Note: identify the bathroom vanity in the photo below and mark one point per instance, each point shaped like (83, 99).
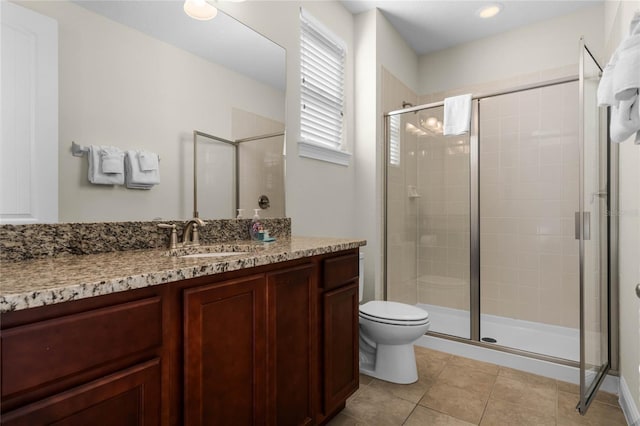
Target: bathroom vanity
(265, 337)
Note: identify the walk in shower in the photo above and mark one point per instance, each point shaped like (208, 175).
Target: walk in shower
(501, 234)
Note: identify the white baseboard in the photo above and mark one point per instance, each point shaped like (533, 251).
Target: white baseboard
(629, 407)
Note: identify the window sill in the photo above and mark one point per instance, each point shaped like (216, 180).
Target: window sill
(323, 153)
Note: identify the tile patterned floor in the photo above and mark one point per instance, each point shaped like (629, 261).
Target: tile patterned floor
(458, 391)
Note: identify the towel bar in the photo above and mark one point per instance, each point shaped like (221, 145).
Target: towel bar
(79, 150)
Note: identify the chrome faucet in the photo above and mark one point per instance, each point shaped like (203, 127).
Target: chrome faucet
(190, 235)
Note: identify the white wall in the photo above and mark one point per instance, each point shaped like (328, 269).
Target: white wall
(120, 87)
(537, 47)
(319, 195)
(618, 15)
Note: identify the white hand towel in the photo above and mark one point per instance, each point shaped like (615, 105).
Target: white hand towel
(625, 120)
(111, 160)
(457, 115)
(137, 178)
(626, 77)
(605, 87)
(96, 175)
(148, 161)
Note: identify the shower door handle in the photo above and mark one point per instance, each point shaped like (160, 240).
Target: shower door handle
(638, 290)
(586, 224)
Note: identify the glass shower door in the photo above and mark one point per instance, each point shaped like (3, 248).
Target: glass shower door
(427, 219)
(592, 231)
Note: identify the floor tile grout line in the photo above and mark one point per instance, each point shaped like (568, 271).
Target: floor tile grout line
(486, 404)
(410, 414)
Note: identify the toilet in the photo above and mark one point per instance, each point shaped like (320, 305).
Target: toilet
(387, 333)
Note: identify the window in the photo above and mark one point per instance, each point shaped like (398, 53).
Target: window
(394, 140)
(322, 59)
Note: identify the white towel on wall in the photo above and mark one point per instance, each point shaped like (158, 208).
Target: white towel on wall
(111, 160)
(606, 93)
(625, 120)
(626, 80)
(457, 115)
(148, 161)
(619, 86)
(96, 175)
(136, 178)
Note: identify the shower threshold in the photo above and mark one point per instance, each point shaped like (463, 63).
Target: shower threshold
(535, 337)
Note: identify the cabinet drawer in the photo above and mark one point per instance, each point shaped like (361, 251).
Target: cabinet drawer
(128, 397)
(41, 352)
(340, 270)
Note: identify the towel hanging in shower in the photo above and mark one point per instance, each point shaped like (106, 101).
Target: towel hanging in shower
(457, 115)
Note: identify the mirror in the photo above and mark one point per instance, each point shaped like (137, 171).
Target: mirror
(143, 75)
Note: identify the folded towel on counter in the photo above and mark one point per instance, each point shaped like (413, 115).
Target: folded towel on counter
(111, 160)
(148, 161)
(136, 178)
(625, 120)
(96, 174)
(457, 115)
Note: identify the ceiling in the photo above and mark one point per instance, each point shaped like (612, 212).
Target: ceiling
(431, 25)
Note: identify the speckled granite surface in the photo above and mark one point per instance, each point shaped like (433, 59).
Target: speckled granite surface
(23, 242)
(56, 279)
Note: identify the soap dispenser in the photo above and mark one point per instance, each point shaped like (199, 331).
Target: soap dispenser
(256, 229)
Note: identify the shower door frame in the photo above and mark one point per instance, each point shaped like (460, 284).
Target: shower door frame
(474, 211)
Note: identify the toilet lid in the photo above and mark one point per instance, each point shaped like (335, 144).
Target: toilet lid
(393, 311)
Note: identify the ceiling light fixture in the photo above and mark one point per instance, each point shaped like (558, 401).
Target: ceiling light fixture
(200, 10)
(489, 11)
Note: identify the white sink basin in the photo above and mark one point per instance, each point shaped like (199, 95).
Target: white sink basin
(216, 254)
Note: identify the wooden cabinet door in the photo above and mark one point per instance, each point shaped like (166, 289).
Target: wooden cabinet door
(224, 358)
(341, 370)
(292, 349)
(127, 398)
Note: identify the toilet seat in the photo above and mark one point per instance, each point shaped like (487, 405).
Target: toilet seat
(394, 322)
(393, 313)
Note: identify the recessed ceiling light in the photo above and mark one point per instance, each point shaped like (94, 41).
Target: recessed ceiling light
(200, 9)
(489, 11)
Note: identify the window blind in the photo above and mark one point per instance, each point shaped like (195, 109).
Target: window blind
(394, 140)
(322, 90)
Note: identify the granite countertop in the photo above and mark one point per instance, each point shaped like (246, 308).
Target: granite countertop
(32, 283)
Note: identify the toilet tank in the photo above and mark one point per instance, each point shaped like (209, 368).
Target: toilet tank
(361, 275)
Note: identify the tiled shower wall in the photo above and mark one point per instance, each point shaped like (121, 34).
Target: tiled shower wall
(443, 218)
(528, 196)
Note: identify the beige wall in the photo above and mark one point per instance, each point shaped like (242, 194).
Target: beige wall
(319, 195)
(618, 15)
(368, 151)
(537, 47)
(111, 93)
